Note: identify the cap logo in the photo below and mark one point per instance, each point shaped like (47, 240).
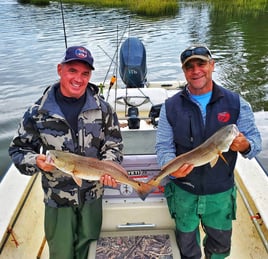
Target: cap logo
(80, 53)
(224, 116)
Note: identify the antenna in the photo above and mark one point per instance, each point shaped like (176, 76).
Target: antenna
(63, 24)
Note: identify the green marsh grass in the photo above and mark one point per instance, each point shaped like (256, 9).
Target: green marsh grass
(158, 8)
(151, 8)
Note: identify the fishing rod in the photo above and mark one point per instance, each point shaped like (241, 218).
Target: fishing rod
(111, 58)
(114, 77)
(63, 24)
(115, 54)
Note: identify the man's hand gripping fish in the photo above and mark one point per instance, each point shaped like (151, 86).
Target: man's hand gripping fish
(207, 152)
(91, 169)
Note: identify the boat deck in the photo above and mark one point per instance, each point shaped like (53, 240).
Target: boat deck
(28, 229)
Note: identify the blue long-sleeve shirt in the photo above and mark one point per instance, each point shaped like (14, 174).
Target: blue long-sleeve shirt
(165, 146)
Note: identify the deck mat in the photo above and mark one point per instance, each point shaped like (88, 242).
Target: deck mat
(134, 247)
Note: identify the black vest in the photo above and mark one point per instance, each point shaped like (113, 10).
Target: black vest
(189, 132)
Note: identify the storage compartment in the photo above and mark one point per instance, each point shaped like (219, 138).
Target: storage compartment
(135, 244)
(122, 207)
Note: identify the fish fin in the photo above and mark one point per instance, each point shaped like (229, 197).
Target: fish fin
(223, 158)
(214, 161)
(77, 180)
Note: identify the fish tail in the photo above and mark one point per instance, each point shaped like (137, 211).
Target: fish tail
(144, 189)
(154, 182)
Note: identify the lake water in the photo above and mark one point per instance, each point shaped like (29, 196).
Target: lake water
(32, 43)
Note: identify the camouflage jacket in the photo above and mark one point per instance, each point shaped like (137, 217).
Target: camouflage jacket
(44, 127)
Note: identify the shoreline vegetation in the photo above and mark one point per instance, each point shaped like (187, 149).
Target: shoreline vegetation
(150, 8)
(161, 8)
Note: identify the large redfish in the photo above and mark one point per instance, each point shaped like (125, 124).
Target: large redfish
(207, 152)
(88, 168)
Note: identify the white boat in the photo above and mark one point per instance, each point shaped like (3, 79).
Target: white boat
(131, 225)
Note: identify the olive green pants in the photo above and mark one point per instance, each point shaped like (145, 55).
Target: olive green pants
(214, 212)
(69, 230)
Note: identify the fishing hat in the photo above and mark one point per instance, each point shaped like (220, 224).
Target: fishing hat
(200, 52)
(78, 53)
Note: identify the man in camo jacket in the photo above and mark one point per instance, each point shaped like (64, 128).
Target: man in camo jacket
(72, 117)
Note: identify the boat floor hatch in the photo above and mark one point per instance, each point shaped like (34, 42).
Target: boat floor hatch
(135, 244)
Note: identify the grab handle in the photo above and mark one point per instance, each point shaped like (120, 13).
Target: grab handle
(136, 225)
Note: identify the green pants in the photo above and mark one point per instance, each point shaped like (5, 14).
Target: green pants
(215, 212)
(69, 230)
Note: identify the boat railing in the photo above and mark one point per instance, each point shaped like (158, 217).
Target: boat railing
(252, 184)
(15, 187)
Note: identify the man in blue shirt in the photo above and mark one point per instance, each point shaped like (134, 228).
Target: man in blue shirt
(203, 194)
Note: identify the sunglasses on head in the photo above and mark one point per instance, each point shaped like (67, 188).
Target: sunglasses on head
(202, 51)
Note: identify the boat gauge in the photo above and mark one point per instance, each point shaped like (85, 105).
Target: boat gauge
(126, 189)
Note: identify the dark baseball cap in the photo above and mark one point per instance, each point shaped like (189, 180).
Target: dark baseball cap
(79, 53)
